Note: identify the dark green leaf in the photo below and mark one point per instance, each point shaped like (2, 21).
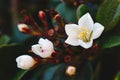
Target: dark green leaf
(8, 54)
(48, 75)
(117, 76)
(82, 9)
(60, 73)
(67, 12)
(84, 72)
(109, 14)
(4, 39)
(110, 39)
(20, 74)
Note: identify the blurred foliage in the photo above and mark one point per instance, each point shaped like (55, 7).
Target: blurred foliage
(109, 14)
(68, 12)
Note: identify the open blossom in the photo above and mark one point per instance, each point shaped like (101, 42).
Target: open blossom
(44, 48)
(25, 62)
(71, 70)
(84, 33)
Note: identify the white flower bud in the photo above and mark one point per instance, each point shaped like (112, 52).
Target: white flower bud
(25, 62)
(71, 70)
(23, 27)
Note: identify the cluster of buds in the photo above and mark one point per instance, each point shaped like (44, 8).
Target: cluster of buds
(60, 39)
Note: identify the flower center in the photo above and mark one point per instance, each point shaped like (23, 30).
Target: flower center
(84, 34)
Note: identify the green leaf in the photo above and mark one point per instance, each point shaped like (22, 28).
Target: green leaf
(60, 73)
(82, 9)
(20, 74)
(67, 12)
(48, 74)
(39, 72)
(109, 14)
(111, 42)
(84, 72)
(117, 76)
(110, 39)
(8, 66)
(4, 39)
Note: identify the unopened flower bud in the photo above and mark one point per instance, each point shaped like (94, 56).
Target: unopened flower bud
(23, 28)
(57, 17)
(51, 32)
(25, 62)
(67, 58)
(42, 15)
(71, 70)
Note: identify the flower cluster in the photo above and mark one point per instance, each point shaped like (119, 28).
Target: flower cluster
(59, 43)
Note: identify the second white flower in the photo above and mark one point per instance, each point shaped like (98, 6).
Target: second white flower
(44, 48)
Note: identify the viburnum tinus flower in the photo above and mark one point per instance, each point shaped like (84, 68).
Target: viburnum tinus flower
(25, 62)
(44, 48)
(84, 33)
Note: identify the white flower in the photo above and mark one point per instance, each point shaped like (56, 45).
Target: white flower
(71, 70)
(25, 62)
(83, 33)
(23, 27)
(44, 49)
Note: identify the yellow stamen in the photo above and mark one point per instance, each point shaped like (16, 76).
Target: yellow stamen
(84, 33)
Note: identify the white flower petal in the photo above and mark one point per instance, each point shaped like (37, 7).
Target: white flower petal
(25, 62)
(85, 44)
(45, 43)
(37, 49)
(86, 21)
(71, 29)
(72, 41)
(97, 30)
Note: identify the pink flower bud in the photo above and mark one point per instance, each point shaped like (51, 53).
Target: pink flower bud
(23, 28)
(42, 15)
(71, 70)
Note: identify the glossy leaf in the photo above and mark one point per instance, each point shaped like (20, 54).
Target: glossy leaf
(8, 54)
(4, 39)
(84, 72)
(111, 39)
(109, 14)
(117, 76)
(67, 12)
(48, 75)
(81, 10)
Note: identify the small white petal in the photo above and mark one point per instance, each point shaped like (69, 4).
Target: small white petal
(71, 30)
(86, 21)
(22, 26)
(37, 49)
(97, 30)
(45, 43)
(86, 44)
(25, 62)
(41, 40)
(72, 41)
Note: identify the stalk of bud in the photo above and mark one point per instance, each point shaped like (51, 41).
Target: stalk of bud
(42, 17)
